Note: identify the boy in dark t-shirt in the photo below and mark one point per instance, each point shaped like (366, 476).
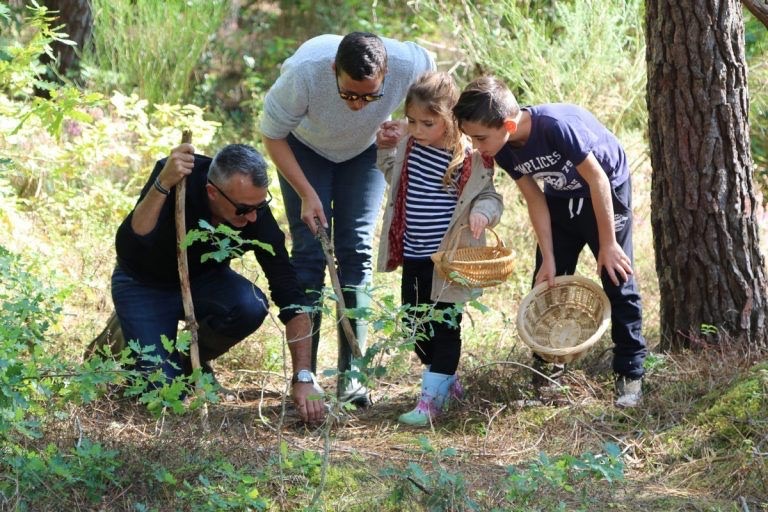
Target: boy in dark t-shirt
(586, 200)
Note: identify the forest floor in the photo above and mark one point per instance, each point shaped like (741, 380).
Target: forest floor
(675, 456)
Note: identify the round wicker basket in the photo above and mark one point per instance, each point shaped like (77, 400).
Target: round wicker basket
(476, 267)
(560, 323)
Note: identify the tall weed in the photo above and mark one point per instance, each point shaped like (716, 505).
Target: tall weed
(150, 48)
(757, 60)
(589, 52)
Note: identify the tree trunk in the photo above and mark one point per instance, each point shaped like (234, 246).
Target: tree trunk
(712, 276)
(77, 18)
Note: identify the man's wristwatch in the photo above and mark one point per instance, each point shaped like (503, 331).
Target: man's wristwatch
(303, 376)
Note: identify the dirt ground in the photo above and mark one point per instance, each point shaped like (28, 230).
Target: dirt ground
(500, 423)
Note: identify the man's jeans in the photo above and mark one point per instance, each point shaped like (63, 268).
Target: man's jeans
(351, 193)
(228, 308)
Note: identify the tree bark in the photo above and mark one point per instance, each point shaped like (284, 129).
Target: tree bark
(77, 18)
(711, 271)
(759, 9)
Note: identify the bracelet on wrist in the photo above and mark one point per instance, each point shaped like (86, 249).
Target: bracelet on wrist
(160, 188)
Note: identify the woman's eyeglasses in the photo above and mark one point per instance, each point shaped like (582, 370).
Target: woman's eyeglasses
(367, 98)
(244, 209)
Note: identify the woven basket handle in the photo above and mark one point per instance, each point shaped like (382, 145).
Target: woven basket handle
(453, 243)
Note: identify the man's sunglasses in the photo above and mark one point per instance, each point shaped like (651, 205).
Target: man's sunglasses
(367, 98)
(244, 209)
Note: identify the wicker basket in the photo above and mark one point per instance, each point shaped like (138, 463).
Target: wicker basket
(476, 267)
(560, 323)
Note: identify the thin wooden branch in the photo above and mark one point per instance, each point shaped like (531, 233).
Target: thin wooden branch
(342, 308)
(759, 10)
(186, 289)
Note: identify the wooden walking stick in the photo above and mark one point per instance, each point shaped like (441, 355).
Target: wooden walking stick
(186, 289)
(342, 308)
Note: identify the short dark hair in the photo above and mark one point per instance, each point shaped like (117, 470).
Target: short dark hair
(486, 100)
(239, 159)
(361, 55)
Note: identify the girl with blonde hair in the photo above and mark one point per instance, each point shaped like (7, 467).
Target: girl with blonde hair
(438, 188)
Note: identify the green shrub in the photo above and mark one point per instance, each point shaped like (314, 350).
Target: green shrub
(84, 471)
(539, 486)
(28, 308)
(436, 488)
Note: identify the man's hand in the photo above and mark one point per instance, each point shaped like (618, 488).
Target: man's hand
(307, 396)
(308, 399)
(178, 166)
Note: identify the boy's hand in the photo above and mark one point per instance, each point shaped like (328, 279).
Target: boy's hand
(546, 273)
(615, 262)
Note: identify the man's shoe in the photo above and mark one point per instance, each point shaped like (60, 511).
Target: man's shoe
(356, 394)
(227, 394)
(629, 392)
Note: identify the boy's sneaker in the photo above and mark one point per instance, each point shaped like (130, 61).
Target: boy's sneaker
(629, 392)
(545, 373)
